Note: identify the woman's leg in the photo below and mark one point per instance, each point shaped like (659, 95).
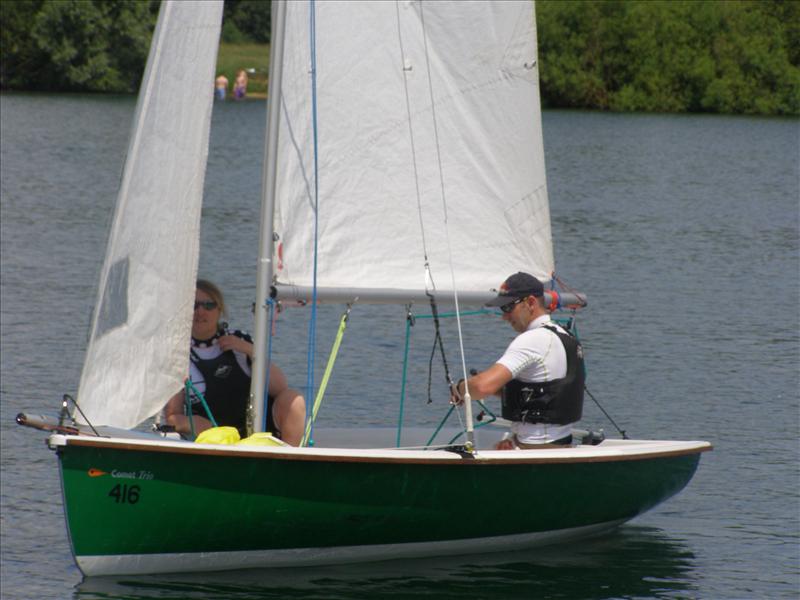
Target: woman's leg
(289, 411)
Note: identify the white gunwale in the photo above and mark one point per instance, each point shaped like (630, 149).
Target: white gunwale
(608, 451)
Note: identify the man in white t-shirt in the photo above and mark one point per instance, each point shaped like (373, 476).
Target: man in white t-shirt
(539, 377)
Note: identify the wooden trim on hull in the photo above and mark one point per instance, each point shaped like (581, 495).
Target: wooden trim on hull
(138, 564)
(608, 451)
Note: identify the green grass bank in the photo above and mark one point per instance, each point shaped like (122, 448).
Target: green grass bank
(254, 58)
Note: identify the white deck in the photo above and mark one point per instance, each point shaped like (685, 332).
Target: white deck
(376, 444)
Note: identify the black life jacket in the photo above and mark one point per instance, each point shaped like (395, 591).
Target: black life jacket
(558, 402)
(227, 391)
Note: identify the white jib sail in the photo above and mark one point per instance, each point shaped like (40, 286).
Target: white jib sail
(137, 354)
(420, 105)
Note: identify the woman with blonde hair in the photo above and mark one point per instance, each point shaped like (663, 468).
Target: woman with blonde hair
(220, 369)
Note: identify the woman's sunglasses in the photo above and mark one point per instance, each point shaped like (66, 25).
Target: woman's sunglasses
(208, 305)
(507, 308)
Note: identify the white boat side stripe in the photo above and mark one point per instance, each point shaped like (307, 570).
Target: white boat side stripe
(133, 564)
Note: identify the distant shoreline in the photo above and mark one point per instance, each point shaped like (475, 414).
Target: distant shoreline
(626, 56)
(249, 96)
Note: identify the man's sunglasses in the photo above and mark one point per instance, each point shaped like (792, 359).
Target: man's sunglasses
(507, 308)
(208, 305)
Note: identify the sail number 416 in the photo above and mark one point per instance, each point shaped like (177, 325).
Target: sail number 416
(123, 493)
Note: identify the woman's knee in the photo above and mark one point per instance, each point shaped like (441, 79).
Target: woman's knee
(288, 403)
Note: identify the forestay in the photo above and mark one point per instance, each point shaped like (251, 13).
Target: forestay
(428, 117)
(137, 354)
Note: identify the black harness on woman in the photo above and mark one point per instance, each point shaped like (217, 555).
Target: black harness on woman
(227, 392)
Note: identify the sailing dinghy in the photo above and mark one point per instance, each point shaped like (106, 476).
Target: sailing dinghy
(414, 123)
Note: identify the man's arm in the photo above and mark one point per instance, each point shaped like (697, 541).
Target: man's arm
(485, 383)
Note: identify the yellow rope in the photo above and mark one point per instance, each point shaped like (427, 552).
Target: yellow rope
(328, 369)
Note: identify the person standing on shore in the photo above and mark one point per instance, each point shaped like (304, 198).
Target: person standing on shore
(220, 87)
(240, 85)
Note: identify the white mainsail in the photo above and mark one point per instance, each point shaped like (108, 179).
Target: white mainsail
(137, 354)
(445, 114)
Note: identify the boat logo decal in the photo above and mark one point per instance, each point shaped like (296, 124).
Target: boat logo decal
(223, 371)
(116, 474)
(131, 474)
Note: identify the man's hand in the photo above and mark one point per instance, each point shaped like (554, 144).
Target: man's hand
(457, 393)
(505, 444)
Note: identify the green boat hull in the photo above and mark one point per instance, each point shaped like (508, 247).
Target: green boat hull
(130, 507)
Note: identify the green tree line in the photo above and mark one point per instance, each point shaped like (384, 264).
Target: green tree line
(97, 45)
(725, 56)
(671, 56)
(74, 45)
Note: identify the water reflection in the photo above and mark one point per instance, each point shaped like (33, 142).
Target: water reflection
(634, 562)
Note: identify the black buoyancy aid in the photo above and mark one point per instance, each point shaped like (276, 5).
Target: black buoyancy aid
(559, 401)
(227, 392)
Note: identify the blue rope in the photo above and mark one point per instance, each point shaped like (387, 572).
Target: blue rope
(478, 425)
(409, 323)
(441, 424)
(459, 434)
(312, 327)
(189, 389)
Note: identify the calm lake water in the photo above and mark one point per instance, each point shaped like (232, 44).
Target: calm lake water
(684, 232)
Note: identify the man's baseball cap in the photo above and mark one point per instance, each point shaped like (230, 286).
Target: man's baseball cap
(519, 285)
